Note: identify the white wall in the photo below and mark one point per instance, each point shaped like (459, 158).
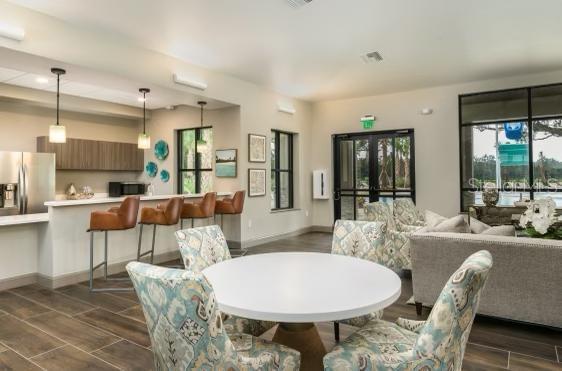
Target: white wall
(21, 124)
(436, 135)
(164, 125)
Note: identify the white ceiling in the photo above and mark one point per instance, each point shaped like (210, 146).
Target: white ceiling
(314, 52)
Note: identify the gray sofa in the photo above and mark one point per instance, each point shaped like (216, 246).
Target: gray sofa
(525, 282)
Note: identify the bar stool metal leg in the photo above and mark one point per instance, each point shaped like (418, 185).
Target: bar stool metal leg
(153, 243)
(91, 260)
(105, 257)
(140, 243)
(104, 264)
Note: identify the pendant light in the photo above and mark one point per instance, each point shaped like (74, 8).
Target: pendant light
(201, 143)
(144, 139)
(57, 132)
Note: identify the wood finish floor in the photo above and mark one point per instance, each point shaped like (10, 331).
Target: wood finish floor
(73, 329)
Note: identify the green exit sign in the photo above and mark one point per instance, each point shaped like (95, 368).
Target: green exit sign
(368, 121)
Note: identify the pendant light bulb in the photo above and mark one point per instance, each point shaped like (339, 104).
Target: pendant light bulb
(57, 132)
(201, 143)
(144, 138)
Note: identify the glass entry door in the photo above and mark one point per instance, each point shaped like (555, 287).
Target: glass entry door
(369, 167)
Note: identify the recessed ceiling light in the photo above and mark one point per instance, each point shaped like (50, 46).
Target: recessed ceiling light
(42, 80)
(372, 57)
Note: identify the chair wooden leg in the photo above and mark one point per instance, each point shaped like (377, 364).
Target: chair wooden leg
(337, 332)
(418, 308)
(181, 224)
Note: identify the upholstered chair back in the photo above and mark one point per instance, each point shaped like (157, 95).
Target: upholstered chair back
(405, 212)
(172, 210)
(129, 210)
(183, 321)
(202, 247)
(445, 333)
(208, 204)
(360, 239)
(238, 201)
(380, 212)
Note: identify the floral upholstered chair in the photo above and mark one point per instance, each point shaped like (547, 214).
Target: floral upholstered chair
(204, 246)
(396, 252)
(406, 214)
(364, 240)
(436, 344)
(186, 329)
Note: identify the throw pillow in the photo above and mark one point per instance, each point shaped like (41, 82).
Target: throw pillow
(433, 219)
(500, 230)
(477, 227)
(456, 224)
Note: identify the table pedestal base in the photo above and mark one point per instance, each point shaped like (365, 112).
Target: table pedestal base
(303, 337)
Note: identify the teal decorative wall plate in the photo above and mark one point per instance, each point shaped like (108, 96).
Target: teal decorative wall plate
(151, 169)
(164, 176)
(161, 150)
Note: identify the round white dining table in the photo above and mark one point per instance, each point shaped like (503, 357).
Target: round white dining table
(297, 289)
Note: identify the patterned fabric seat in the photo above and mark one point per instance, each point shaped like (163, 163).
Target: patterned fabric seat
(364, 240)
(396, 252)
(406, 214)
(436, 344)
(186, 330)
(204, 246)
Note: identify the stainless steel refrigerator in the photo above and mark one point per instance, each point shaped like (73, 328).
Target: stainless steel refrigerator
(27, 180)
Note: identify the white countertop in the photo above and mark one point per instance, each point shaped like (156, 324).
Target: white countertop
(108, 200)
(23, 219)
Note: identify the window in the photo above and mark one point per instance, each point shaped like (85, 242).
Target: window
(195, 160)
(281, 170)
(511, 140)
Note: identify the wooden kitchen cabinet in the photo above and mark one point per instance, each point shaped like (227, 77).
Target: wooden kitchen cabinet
(84, 154)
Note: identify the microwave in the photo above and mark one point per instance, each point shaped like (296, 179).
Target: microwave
(119, 189)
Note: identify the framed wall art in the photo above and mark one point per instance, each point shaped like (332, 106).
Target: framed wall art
(256, 182)
(225, 163)
(256, 148)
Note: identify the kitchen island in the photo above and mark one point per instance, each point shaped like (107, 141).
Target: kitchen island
(61, 250)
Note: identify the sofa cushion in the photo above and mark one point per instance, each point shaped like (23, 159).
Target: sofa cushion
(456, 224)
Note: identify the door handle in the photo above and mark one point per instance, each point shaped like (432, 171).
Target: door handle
(25, 181)
(20, 190)
(337, 196)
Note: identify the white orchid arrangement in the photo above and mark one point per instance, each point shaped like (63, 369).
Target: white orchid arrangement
(540, 218)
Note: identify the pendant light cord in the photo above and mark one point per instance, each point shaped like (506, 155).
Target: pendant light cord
(144, 112)
(58, 97)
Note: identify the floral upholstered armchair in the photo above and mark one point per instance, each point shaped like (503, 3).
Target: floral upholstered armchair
(407, 215)
(204, 246)
(186, 329)
(396, 252)
(364, 240)
(436, 344)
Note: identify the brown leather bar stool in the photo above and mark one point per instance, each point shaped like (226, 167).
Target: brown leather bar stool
(230, 206)
(166, 214)
(204, 209)
(115, 219)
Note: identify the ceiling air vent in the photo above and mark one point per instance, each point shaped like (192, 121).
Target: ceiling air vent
(372, 57)
(298, 3)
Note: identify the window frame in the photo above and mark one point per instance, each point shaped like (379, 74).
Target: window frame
(277, 170)
(197, 170)
(529, 121)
